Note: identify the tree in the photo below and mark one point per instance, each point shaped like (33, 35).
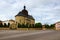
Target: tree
(23, 26)
(5, 25)
(38, 25)
(47, 26)
(19, 25)
(52, 26)
(27, 26)
(33, 25)
(1, 25)
(8, 24)
(30, 26)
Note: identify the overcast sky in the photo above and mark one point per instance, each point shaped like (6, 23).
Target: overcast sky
(44, 11)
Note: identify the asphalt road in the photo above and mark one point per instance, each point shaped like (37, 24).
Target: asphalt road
(30, 35)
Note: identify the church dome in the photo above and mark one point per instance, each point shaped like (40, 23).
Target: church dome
(24, 11)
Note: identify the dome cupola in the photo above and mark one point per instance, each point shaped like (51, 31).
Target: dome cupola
(24, 11)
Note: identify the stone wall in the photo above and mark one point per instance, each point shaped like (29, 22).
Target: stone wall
(28, 29)
(4, 28)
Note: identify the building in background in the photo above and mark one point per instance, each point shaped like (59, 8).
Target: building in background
(9, 23)
(57, 25)
(5, 22)
(24, 18)
(0, 21)
(13, 24)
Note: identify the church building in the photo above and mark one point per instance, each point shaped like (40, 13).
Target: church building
(24, 18)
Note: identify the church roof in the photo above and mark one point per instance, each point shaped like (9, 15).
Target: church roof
(29, 16)
(12, 20)
(57, 22)
(0, 21)
(24, 12)
(20, 14)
